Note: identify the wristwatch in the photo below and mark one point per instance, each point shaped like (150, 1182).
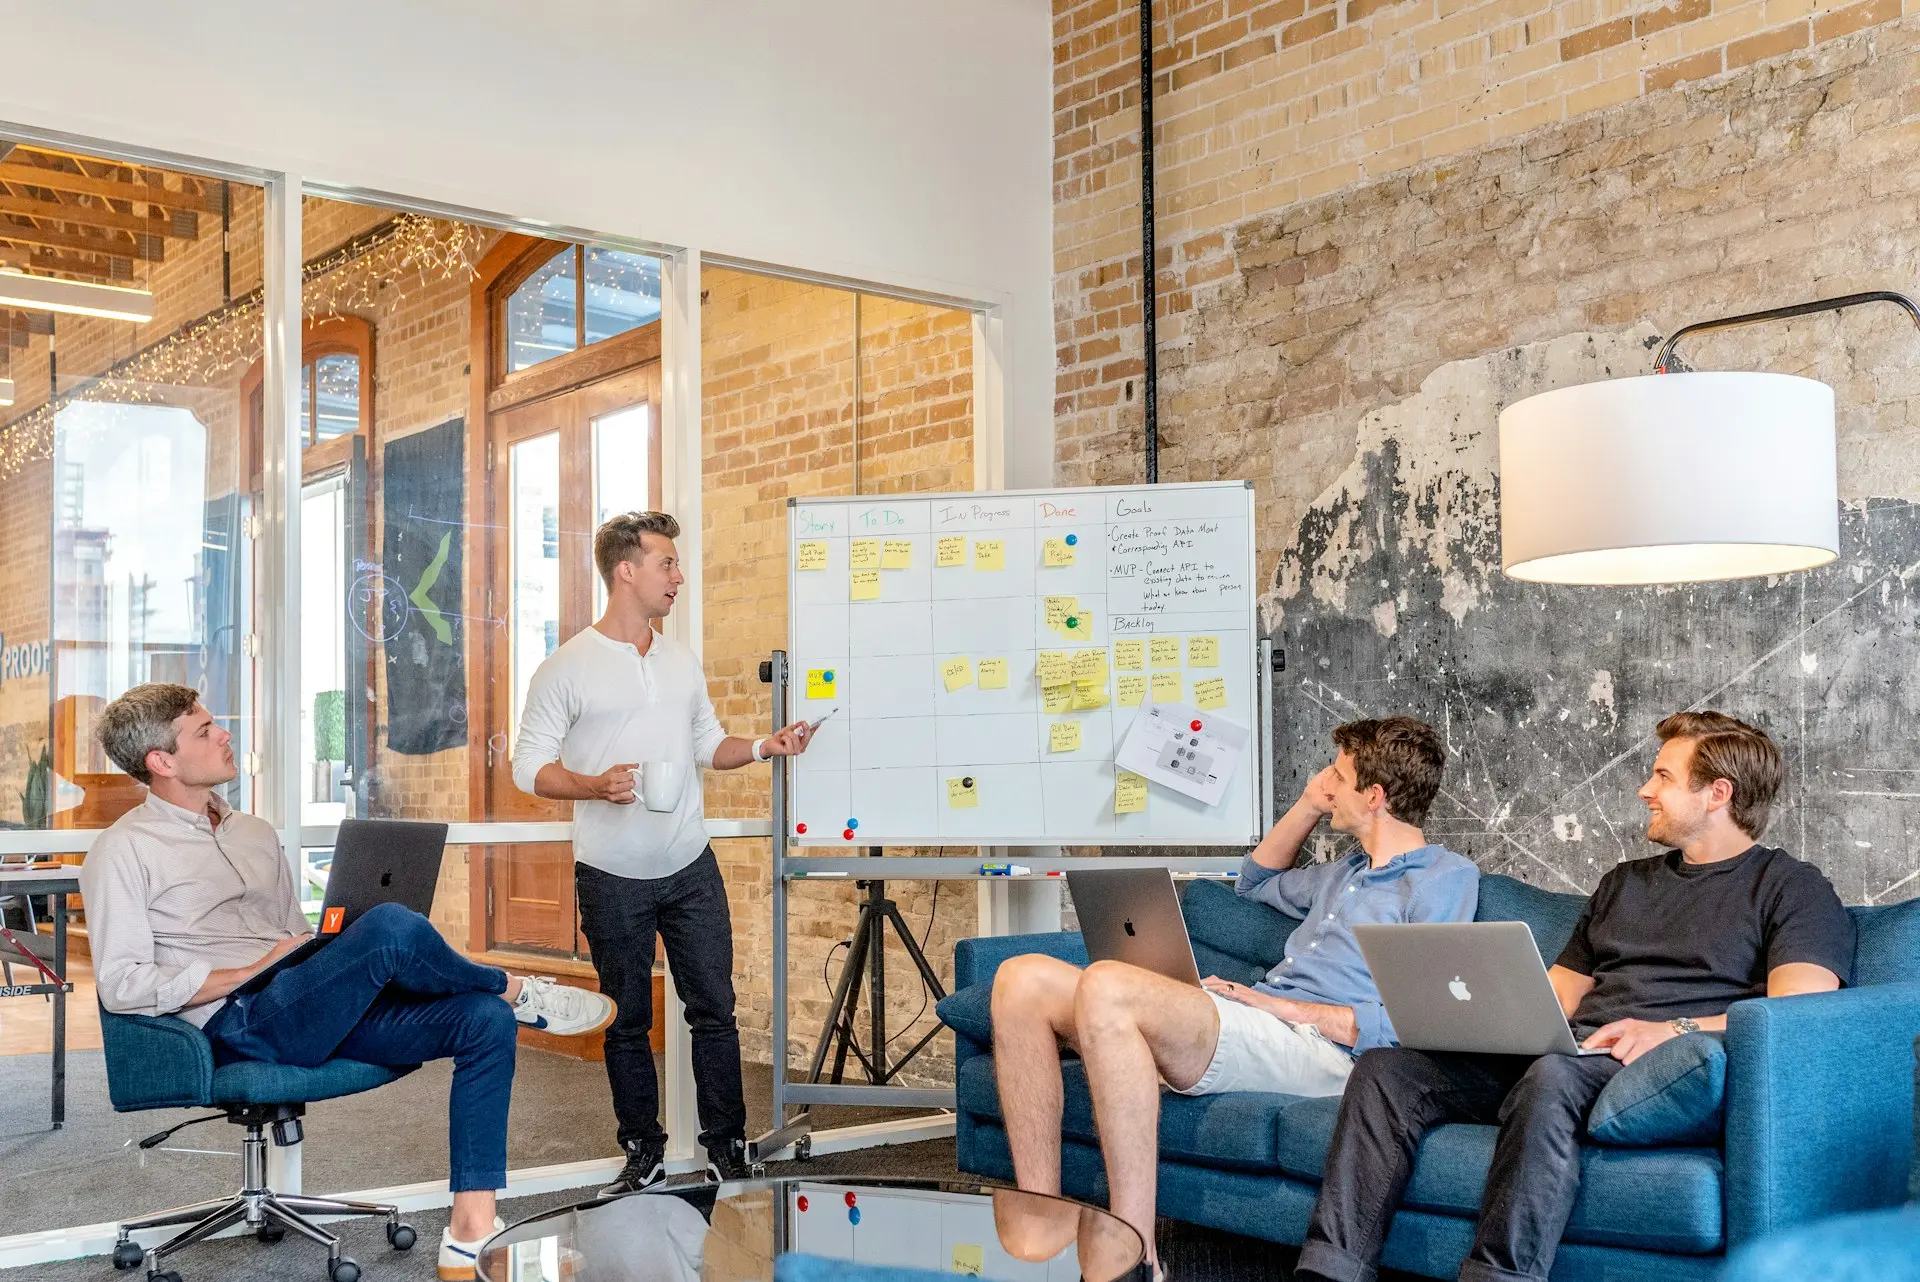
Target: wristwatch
(1685, 1024)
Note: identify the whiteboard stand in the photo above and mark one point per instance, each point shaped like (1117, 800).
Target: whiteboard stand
(796, 1131)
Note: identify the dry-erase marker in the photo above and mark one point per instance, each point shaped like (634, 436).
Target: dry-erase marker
(813, 726)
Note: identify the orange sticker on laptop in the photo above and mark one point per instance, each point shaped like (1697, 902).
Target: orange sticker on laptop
(333, 920)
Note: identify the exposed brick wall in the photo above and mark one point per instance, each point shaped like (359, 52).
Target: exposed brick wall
(1283, 319)
(780, 421)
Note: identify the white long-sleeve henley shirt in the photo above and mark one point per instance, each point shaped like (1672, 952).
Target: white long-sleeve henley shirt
(596, 702)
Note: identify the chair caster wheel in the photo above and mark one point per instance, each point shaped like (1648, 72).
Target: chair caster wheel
(803, 1148)
(127, 1255)
(343, 1270)
(401, 1237)
(168, 1276)
(270, 1232)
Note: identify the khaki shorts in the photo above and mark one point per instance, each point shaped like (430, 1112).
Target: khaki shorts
(1262, 1052)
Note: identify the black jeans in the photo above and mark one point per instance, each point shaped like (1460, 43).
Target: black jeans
(689, 910)
(1396, 1096)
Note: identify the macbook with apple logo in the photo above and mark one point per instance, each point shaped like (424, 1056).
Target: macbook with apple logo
(375, 861)
(1133, 915)
(1467, 986)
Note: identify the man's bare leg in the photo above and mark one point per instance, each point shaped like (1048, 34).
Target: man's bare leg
(1032, 1016)
(1135, 1028)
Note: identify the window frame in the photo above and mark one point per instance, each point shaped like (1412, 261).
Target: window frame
(505, 269)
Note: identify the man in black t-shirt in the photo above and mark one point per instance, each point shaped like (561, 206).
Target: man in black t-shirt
(1664, 946)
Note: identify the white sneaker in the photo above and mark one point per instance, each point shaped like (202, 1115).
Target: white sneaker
(457, 1258)
(565, 1012)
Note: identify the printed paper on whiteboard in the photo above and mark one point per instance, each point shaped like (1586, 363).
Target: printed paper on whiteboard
(1163, 746)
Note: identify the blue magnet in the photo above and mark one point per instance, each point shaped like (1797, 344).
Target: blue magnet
(827, 675)
(1072, 539)
(853, 1215)
(853, 823)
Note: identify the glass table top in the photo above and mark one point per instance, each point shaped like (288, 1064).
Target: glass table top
(793, 1230)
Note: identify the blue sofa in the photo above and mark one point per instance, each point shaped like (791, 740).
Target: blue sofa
(1819, 1112)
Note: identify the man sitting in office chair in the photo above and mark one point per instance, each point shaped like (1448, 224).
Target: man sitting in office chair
(1664, 946)
(1297, 1032)
(187, 899)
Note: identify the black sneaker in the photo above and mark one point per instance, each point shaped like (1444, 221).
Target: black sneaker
(646, 1166)
(727, 1160)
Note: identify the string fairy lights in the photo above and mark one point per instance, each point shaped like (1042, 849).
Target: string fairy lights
(408, 253)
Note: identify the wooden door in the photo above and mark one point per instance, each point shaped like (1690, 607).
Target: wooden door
(556, 467)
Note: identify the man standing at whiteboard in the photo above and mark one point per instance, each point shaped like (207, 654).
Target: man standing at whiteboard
(615, 698)
(1297, 1032)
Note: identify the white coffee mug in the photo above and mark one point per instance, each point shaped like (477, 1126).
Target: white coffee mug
(661, 783)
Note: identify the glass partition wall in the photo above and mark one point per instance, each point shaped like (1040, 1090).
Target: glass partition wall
(454, 407)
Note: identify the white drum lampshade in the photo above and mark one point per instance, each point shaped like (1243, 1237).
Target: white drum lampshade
(1669, 478)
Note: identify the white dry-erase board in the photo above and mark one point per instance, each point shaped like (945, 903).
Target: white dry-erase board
(988, 653)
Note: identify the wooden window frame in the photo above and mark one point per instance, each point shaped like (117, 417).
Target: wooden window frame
(321, 336)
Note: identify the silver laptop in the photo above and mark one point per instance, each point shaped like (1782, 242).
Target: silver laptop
(1133, 915)
(1467, 986)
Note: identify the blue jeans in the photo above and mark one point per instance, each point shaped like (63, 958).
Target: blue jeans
(389, 990)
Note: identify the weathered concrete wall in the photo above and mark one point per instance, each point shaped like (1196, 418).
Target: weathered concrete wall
(1391, 598)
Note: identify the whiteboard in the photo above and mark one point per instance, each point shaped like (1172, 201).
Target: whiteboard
(885, 592)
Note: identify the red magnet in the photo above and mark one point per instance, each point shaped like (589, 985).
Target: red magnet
(847, 834)
(851, 1199)
(1196, 725)
(802, 1203)
(800, 828)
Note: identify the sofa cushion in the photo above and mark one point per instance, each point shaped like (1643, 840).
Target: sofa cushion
(1234, 938)
(1673, 1094)
(1654, 1200)
(1886, 946)
(1551, 916)
(969, 1012)
(1237, 1129)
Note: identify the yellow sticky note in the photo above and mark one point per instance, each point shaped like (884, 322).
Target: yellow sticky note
(957, 672)
(897, 555)
(989, 554)
(963, 793)
(866, 585)
(1166, 652)
(813, 556)
(1054, 667)
(1089, 694)
(1132, 690)
(1065, 736)
(865, 555)
(1210, 694)
(1203, 652)
(950, 551)
(969, 1258)
(1166, 687)
(1056, 552)
(992, 674)
(1131, 655)
(820, 683)
(1129, 793)
(1057, 699)
(1059, 609)
(1090, 665)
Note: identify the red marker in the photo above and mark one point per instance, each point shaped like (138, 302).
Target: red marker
(1196, 725)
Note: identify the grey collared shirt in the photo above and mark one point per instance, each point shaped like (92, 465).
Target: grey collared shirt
(170, 899)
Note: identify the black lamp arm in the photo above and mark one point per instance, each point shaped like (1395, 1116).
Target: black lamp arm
(1665, 355)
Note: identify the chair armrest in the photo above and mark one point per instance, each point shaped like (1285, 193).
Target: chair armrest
(975, 960)
(1820, 1110)
(162, 1062)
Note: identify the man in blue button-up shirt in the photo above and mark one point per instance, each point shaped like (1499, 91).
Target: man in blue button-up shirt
(1296, 1032)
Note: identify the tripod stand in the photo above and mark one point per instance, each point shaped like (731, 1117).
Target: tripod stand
(867, 965)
